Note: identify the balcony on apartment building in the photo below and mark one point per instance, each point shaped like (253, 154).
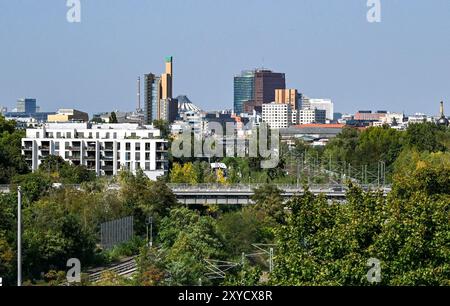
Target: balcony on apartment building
(109, 146)
(162, 157)
(76, 146)
(91, 147)
(28, 146)
(90, 157)
(161, 147)
(75, 157)
(45, 146)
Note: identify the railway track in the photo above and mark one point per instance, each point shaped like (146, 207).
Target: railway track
(126, 268)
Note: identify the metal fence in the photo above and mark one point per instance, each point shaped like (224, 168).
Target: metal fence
(116, 232)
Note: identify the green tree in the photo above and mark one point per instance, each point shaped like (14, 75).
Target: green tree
(151, 268)
(145, 198)
(11, 160)
(52, 236)
(421, 171)
(426, 136)
(34, 185)
(7, 256)
(183, 174)
(188, 239)
(379, 144)
(113, 118)
(269, 200)
(240, 229)
(202, 171)
(97, 120)
(62, 171)
(342, 148)
(163, 126)
(246, 276)
(323, 244)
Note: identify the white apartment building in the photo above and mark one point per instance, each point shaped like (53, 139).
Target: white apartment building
(103, 148)
(305, 102)
(392, 119)
(295, 117)
(324, 104)
(308, 116)
(277, 115)
(419, 118)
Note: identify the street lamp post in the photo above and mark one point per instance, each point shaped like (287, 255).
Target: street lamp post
(19, 236)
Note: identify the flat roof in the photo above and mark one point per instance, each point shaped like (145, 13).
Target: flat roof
(319, 125)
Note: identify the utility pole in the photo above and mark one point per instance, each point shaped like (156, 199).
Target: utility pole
(151, 231)
(19, 236)
(270, 260)
(148, 222)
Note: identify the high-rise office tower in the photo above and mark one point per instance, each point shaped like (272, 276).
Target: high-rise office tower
(26, 106)
(166, 79)
(151, 97)
(159, 103)
(138, 107)
(266, 82)
(288, 96)
(256, 87)
(244, 85)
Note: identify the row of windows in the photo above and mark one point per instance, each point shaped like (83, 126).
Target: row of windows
(106, 135)
(138, 165)
(137, 155)
(137, 146)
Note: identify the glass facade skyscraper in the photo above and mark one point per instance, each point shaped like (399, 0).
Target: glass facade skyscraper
(244, 89)
(158, 102)
(26, 106)
(151, 99)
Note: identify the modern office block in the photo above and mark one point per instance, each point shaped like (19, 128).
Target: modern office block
(68, 115)
(324, 104)
(288, 96)
(277, 115)
(307, 116)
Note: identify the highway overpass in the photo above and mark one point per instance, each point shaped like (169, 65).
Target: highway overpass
(207, 194)
(239, 194)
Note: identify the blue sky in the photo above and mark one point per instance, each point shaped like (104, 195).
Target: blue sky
(326, 48)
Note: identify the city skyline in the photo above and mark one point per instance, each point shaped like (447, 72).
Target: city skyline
(399, 64)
